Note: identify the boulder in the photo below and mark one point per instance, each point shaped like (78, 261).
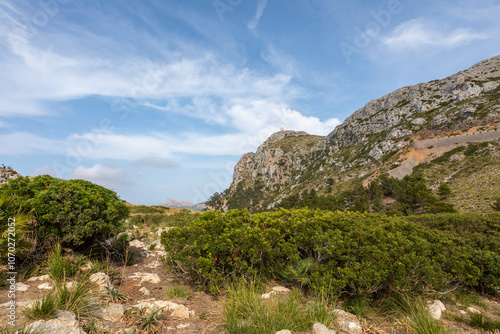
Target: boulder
(348, 322)
(65, 323)
(101, 279)
(113, 312)
(322, 329)
(45, 286)
(436, 309)
(21, 287)
(146, 277)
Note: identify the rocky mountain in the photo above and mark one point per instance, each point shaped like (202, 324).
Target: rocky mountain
(387, 135)
(172, 203)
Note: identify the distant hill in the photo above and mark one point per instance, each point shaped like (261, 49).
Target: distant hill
(172, 203)
(411, 128)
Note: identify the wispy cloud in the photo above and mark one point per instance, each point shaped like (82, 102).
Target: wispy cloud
(418, 33)
(252, 25)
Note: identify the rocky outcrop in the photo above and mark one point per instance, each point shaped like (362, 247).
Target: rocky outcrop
(275, 159)
(370, 139)
(394, 111)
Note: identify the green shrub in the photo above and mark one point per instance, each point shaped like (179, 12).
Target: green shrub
(352, 253)
(15, 226)
(77, 212)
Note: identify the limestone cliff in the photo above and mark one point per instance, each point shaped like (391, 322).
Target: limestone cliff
(374, 139)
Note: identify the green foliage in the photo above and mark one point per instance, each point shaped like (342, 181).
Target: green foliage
(414, 314)
(116, 296)
(496, 204)
(178, 290)
(77, 212)
(15, 227)
(478, 320)
(145, 320)
(353, 253)
(77, 298)
(245, 312)
(61, 267)
(444, 190)
(42, 309)
(478, 236)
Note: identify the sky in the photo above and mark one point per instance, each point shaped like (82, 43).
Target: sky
(159, 99)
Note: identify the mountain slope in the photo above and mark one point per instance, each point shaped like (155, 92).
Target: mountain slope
(386, 135)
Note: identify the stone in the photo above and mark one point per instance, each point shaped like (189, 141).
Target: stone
(419, 121)
(145, 291)
(281, 289)
(182, 312)
(101, 279)
(138, 244)
(322, 329)
(348, 322)
(154, 264)
(21, 287)
(45, 286)
(268, 295)
(146, 277)
(436, 309)
(65, 323)
(472, 310)
(182, 326)
(39, 278)
(113, 312)
(284, 331)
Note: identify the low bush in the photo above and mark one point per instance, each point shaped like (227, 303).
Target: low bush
(350, 254)
(77, 212)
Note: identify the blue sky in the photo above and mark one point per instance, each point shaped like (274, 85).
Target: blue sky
(159, 99)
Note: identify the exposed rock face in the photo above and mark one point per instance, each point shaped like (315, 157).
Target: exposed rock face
(389, 112)
(369, 140)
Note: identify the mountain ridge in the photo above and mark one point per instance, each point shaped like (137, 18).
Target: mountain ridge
(373, 140)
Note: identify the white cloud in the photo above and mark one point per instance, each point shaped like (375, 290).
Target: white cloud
(104, 176)
(252, 25)
(418, 33)
(19, 143)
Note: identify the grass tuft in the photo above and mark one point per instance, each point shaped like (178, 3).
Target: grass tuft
(245, 312)
(178, 290)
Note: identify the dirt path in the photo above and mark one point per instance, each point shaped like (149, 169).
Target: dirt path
(454, 140)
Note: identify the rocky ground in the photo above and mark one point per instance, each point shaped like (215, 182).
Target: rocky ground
(149, 284)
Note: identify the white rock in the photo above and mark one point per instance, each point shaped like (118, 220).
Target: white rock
(182, 312)
(21, 287)
(268, 295)
(45, 286)
(146, 277)
(182, 326)
(348, 322)
(154, 264)
(113, 312)
(472, 310)
(281, 289)
(284, 331)
(66, 323)
(101, 279)
(321, 329)
(138, 244)
(38, 278)
(419, 121)
(145, 291)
